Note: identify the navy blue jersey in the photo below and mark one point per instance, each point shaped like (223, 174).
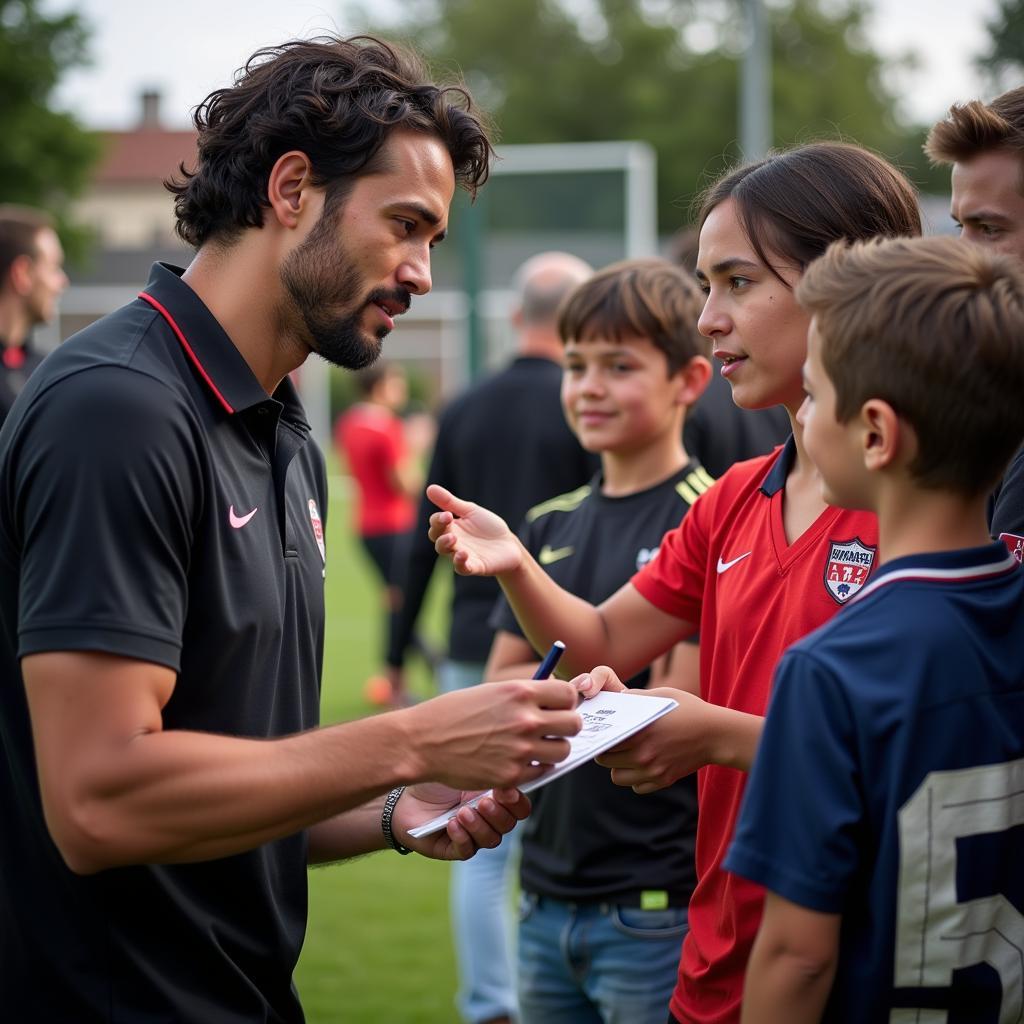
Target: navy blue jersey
(889, 788)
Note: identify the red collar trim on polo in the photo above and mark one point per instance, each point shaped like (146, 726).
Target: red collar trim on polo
(188, 348)
(969, 574)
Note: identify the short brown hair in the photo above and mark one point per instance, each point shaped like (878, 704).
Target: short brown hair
(799, 201)
(336, 100)
(934, 327)
(648, 298)
(19, 234)
(970, 129)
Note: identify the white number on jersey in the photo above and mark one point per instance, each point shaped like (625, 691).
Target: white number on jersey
(935, 932)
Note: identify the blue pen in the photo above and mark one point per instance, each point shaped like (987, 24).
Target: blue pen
(547, 666)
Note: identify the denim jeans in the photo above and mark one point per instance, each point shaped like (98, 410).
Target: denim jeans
(482, 925)
(599, 963)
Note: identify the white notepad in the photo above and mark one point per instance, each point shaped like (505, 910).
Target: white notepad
(608, 719)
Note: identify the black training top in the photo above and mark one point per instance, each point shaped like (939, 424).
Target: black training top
(586, 838)
(155, 503)
(504, 444)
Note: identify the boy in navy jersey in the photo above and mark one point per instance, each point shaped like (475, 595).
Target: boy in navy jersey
(884, 813)
(606, 875)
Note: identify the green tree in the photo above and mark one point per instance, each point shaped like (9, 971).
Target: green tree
(46, 155)
(665, 71)
(1003, 62)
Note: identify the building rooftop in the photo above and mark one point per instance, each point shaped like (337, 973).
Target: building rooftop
(148, 153)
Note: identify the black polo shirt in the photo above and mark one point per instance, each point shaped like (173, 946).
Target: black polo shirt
(156, 503)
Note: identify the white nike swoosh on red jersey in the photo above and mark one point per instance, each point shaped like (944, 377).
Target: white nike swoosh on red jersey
(238, 521)
(722, 566)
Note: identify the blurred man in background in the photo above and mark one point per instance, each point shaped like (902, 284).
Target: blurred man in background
(31, 280)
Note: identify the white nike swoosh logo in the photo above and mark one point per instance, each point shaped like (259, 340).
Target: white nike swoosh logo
(722, 566)
(238, 521)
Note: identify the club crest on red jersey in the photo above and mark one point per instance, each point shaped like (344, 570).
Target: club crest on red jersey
(318, 529)
(848, 567)
(1014, 544)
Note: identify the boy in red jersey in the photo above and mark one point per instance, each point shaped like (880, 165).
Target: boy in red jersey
(884, 810)
(758, 562)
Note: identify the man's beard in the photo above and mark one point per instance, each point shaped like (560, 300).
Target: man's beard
(319, 277)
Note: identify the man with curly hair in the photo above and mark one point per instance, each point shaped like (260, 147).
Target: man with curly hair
(162, 558)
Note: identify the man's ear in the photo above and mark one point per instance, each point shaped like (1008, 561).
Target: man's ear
(290, 188)
(20, 274)
(692, 379)
(886, 438)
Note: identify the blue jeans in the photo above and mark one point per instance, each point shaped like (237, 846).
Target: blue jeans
(482, 925)
(596, 963)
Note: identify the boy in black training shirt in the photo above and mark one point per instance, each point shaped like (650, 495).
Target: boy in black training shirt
(606, 874)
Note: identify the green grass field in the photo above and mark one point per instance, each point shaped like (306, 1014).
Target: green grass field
(378, 948)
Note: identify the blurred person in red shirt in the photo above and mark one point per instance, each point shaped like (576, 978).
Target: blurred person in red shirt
(382, 461)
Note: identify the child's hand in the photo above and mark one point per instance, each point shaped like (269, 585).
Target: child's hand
(591, 683)
(673, 746)
(478, 542)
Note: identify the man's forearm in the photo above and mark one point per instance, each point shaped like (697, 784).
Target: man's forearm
(177, 796)
(350, 834)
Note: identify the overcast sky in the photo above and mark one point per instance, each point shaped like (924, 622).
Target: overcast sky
(190, 47)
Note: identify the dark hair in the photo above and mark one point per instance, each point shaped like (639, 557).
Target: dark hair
(367, 379)
(647, 298)
(798, 201)
(934, 327)
(19, 234)
(336, 100)
(973, 128)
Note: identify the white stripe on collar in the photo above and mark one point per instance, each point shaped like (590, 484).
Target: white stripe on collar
(962, 575)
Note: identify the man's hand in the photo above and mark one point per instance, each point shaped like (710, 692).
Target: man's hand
(470, 830)
(478, 542)
(502, 734)
(673, 746)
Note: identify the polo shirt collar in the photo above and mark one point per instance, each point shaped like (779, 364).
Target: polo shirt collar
(211, 351)
(775, 479)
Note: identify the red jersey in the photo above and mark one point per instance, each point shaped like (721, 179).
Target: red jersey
(728, 567)
(371, 438)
